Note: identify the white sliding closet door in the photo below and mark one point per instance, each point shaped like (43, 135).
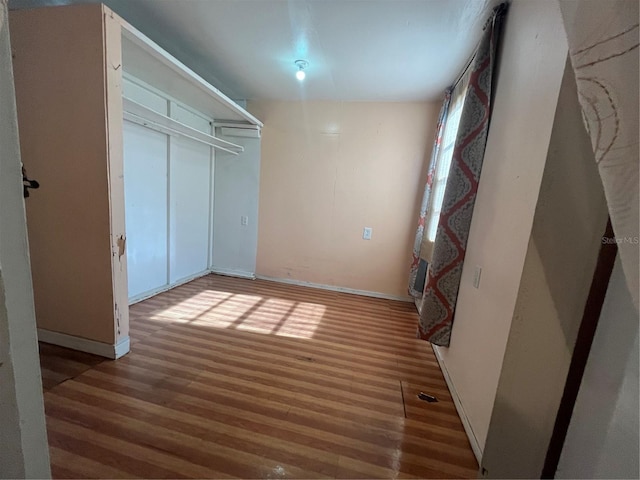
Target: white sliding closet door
(190, 208)
(168, 194)
(145, 173)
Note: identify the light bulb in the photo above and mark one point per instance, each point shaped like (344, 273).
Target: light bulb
(301, 64)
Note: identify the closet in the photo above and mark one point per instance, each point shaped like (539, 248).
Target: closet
(149, 175)
(168, 185)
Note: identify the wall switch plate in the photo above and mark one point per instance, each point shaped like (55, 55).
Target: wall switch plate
(244, 220)
(476, 276)
(366, 233)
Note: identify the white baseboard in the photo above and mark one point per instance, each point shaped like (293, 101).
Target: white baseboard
(84, 344)
(164, 288)
(122, 347)
(228, 272)
(475, 445)
(149, 294)
(218, 271)
(333, 288)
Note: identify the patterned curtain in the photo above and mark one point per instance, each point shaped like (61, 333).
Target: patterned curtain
(443, 278)
(418, 271)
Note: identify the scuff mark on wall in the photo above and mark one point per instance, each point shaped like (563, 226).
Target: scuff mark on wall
(121, 242)
(117, 312)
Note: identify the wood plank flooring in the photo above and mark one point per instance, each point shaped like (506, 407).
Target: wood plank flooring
(233, 378)
(59, 364)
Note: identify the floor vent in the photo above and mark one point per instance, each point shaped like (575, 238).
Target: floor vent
(427, 398)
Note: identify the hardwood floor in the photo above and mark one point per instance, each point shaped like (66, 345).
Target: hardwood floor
(253, 379)
(59, 364)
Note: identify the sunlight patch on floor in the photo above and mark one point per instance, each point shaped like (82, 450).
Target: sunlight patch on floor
(303, 321)
(192, 307)
(232, 310)
(280, 317)
(266, 317)
(249, 313)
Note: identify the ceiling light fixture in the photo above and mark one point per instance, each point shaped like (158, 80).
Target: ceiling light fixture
(301, 64)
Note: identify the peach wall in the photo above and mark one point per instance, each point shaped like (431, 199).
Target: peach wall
(329, 169)
(569, 221)
(530, 70)
(60, 92)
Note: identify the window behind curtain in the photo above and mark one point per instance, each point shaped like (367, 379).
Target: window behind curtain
(443, 162)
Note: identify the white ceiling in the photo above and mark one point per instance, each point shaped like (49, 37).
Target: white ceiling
(358, 50)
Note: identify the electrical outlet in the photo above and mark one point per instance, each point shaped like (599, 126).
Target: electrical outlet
(366, 233)
(476, 276)
(244, 220)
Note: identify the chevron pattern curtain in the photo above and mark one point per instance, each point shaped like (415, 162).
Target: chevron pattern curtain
(444, 273)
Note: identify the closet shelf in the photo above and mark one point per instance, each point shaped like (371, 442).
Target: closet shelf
(144, 59)
(138, 113)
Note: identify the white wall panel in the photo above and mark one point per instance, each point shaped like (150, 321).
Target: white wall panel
(144, 96)
(237, 180)
(190, 213)
(145, 181)
(194, 120)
